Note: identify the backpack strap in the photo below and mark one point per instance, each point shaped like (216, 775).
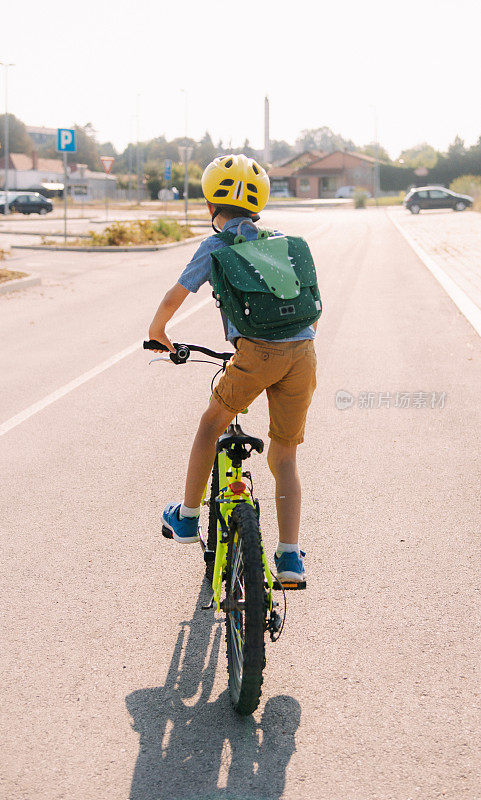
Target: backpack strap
(227, 237)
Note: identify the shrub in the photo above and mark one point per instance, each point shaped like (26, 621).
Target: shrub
(360, 198)
(139, 232)
(467, 184)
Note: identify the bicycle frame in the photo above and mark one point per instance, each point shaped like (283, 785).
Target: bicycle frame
(232, 490)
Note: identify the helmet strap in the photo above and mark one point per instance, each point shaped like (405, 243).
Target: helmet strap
(214, 215)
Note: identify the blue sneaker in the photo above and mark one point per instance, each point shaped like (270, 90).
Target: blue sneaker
(290, 566)
(182, 530)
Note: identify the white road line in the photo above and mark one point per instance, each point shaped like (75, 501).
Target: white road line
(92, 373)
(467, 307)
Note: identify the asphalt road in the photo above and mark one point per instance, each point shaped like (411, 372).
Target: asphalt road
(114, 680)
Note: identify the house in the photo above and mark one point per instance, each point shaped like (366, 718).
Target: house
(282, 176)
(42, 136)
(47, 175)
(321, 177)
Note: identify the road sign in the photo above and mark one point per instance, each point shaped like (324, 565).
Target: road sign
(421, 171)
(167, 169)
(66, 140)
(107, 163)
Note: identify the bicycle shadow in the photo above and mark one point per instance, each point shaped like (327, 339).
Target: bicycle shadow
(194, 749)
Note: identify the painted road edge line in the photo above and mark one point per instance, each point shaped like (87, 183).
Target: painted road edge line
(466, 306)
(92, 373)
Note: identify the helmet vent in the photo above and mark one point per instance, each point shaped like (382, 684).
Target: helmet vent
(251, 188)
(226, 182)
(255, 168)
(228, 163)
(221, 193)
(239, 190)
(252, 199)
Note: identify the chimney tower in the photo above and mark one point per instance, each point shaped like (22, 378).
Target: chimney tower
(267, 148)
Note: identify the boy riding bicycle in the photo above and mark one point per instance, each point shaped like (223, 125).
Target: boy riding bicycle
(236, 188)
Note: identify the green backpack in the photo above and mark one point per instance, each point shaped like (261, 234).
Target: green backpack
(267, 287)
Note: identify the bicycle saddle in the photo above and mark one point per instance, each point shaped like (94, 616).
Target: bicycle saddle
(235, 440)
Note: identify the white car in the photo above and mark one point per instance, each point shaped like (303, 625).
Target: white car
(349, 191)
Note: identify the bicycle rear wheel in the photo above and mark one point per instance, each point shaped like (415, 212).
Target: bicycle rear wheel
(245, 610)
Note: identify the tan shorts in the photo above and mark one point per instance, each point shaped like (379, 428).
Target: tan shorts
(286, 370)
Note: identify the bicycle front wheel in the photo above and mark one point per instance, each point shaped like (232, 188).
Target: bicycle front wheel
(245, 610)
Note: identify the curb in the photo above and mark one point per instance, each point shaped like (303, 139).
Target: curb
(20, 283)
(461, 300)
(42, 233)
(113, 249)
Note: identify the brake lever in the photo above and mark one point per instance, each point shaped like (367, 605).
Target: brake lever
(160, 358)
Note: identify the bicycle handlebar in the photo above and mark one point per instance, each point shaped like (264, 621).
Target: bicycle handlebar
(182, 351)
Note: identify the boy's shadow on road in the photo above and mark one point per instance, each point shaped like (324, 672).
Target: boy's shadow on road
(193, 749)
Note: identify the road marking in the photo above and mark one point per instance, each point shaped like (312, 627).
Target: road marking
(467, 307)
(92, 373)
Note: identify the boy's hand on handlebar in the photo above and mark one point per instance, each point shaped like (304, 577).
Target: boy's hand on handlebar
(159, 335)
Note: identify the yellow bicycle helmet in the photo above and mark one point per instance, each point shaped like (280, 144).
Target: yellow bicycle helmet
(236, 181)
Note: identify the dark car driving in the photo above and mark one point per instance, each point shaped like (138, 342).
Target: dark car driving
(32, 203)
(435, 197)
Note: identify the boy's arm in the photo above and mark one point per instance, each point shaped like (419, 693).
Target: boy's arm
(173, 299)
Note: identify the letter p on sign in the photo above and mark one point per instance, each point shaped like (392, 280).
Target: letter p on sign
(66, 140)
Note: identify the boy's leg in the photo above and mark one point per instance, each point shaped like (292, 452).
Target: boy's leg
(283, 465)
(213, 422)
(182, 519)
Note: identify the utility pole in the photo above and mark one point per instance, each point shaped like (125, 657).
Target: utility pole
(267, 143)
(6, 154)
(376, 163)
(138, 152)
(185, 152)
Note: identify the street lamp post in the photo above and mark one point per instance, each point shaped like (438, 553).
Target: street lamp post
(185, 152)
(6, 153)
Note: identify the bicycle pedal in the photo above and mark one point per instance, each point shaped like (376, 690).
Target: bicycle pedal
(288, 585)
(167, 532)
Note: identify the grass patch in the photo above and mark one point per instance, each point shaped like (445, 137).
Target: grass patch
(394, 200)
(10, 275)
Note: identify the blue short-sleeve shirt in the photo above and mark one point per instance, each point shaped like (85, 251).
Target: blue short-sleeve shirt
(198, 271)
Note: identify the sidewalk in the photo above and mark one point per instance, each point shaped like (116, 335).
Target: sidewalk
(452, 239)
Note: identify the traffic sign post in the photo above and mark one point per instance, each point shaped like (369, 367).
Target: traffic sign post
(107, 163)
(167, 170)
(66, 143)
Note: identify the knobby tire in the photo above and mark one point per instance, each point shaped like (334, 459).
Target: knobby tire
(245, 667)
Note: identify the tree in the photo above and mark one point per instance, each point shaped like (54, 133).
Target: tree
(421, 155)
(323, 139)
(18, 139)
(206, 150)
(281, 150)
(457, 149)
(154, 178)
(107, 149)
(375, 150)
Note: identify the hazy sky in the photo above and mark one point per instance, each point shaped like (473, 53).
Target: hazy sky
(417, 62)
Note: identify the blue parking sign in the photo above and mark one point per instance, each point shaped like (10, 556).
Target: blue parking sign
(167, 169)
(66, 140)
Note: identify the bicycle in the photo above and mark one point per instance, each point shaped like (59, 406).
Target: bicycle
(234, 552)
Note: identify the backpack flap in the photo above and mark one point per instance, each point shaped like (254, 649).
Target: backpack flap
(270, 259)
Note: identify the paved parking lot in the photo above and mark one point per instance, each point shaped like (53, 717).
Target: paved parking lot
(453, 240)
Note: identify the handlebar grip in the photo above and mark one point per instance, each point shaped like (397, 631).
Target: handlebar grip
(152, 344)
